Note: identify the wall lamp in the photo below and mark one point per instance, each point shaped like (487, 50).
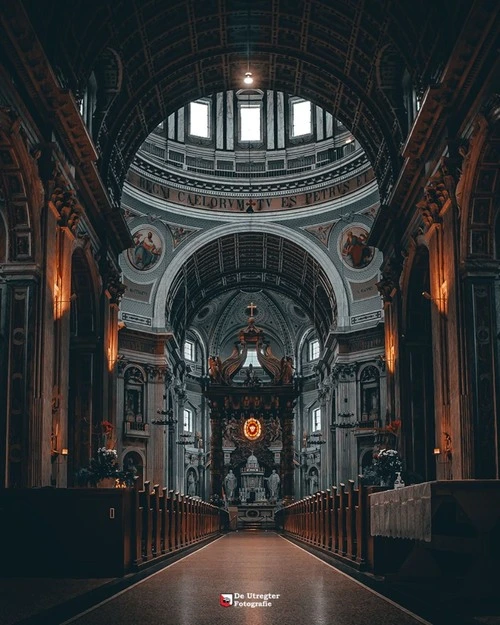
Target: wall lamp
(429, 297)
(447, 451)
(64, 452)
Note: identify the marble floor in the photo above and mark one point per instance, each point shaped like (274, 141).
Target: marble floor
(269, 581)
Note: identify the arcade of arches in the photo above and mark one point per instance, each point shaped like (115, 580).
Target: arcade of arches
(284, 298)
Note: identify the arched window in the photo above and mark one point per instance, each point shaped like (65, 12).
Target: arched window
(134, 396)
(189, 350)
(316, 419)
(187, 420)
(314, 349)
(370, 393)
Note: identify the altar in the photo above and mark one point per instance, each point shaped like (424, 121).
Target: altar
(256, 517)
(252, 482)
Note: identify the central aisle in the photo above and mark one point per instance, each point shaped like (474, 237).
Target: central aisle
(188, 591)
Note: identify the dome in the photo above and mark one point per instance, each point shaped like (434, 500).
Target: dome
(252, 463)
(294, 154)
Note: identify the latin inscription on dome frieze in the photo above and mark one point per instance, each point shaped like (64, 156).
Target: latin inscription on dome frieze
(256, 204)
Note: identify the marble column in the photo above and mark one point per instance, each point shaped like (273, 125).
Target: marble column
(287, 465)
(217, 455)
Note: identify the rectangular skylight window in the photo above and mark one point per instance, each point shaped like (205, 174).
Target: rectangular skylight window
(301, 118)
(250, 123)
(251, 359)
(198, 119)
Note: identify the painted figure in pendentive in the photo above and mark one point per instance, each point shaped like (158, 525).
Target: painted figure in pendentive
(356, 250)
(146, 252)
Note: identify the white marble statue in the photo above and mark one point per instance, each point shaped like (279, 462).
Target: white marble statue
(273, 482)
(191, 490)
(313, 482)
(230, 483)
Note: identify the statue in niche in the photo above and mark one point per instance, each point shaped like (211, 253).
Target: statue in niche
(273, 482)
(191, 484)
(286, 368)
(313, 482)
(230, 483)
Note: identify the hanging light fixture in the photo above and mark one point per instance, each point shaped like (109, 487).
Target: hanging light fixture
(248, 80)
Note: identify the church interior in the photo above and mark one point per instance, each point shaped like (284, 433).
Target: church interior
(250, 311)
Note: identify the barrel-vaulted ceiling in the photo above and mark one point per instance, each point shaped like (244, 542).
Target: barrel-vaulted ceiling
(252, 260)
(348, 56)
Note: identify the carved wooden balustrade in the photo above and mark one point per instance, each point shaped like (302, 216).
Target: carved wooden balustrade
(335, 521)
(164, 522)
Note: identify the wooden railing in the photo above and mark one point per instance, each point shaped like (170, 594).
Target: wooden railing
(335, 520)
(164, 522)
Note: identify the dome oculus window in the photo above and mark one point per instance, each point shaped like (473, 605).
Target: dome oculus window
(199, 119)
(301, 118)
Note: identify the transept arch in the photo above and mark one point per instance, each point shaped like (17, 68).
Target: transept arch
(331, 273)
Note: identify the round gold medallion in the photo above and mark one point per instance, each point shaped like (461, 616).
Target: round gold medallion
(252, 429)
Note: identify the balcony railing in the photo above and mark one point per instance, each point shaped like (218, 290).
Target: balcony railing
(134, 429)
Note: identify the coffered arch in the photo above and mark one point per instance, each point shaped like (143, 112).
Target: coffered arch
(319, 50)
(333, 311)
(251, 260)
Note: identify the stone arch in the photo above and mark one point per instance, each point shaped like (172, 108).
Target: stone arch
(108, 72)
(365, 460)
(312, 477)
(136, 456)
(191, 469)
(302, 355)
(369, 392)
(166, 281)
(478, 188)
(389, 72)
(478, 192)
(20, 189)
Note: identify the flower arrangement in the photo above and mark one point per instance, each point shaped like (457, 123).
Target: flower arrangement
(104, 432)
(386, 464)
(394, 426)
(105, 465)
